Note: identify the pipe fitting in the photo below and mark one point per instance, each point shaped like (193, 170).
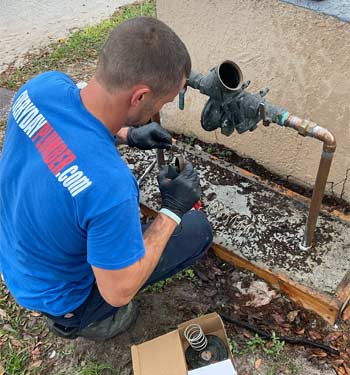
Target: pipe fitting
(311, 129)
(306, 128)
(302, 126)
(328, 139)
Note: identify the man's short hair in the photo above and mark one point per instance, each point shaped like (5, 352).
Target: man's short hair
(143, 50)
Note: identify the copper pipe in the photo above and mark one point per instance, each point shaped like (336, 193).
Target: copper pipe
(317, 196)
(308, 128)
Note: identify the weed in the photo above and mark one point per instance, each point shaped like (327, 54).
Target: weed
(16, 362)
(255, 343)
(2, 124)
(190, 140)
(233, 346)
(284, 365)
(188, 274)
(158, 286)
(273, 347)
(226, 154)
(92, 368)
(272, 371)
(293, 368)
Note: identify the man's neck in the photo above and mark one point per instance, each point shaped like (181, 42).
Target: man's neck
(108, 108)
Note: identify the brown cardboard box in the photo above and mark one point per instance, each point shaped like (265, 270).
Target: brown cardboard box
(165, 355)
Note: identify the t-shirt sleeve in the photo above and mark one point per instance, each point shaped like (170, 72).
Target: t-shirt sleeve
(114, 238)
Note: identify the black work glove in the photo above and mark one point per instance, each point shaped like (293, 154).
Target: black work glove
(149, 136)
(180, 191)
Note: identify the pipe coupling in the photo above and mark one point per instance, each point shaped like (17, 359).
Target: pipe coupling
(311, 129)
(306, 128)
(302, 126)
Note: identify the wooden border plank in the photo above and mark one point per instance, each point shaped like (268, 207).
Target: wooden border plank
(325, 306)
(343, 290)
(346, 314)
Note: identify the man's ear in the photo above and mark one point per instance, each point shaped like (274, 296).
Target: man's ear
(138, 95)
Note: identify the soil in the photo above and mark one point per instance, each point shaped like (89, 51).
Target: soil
(216, 286)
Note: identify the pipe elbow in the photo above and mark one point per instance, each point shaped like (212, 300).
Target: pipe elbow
(328, 139)
(330, 144)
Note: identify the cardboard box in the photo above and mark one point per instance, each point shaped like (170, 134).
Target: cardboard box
(165, 355)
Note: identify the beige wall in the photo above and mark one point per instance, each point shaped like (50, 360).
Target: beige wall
(302, 56)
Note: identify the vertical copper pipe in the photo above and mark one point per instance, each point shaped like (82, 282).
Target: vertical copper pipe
(317, 196)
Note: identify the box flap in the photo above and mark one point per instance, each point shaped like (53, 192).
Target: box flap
(160, 356)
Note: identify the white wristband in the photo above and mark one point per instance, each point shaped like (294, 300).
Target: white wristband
(171, 214)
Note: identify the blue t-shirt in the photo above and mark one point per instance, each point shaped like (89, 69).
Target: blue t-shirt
(67, 199)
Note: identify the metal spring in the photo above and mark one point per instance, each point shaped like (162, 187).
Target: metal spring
(195, 337)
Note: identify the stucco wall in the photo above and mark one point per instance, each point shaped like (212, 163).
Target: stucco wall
(302, 56)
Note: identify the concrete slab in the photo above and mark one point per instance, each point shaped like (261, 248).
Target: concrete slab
(258, 223)
(339, 8)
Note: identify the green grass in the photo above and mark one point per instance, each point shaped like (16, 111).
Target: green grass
(81, 46)
(160, 285)
(273, 347)
(16, 360)
(275, 359)
(93, 368)
(285, 363)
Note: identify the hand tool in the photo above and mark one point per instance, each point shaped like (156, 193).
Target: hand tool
(145, 173)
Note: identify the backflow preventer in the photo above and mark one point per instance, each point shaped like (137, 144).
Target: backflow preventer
(230, 108)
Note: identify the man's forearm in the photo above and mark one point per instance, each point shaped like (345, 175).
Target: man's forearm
(156, 238)
(118, 287)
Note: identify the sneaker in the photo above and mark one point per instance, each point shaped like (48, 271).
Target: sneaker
(105, 329)
(62, 331)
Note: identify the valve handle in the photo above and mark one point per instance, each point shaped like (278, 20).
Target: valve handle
(182, 98)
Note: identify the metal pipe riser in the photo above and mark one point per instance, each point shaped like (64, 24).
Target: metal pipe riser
(317, 196)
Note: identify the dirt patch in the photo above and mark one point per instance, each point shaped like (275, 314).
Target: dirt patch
(216, 286)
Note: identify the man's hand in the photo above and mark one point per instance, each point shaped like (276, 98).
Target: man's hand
(180, 191)
(149, 136)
